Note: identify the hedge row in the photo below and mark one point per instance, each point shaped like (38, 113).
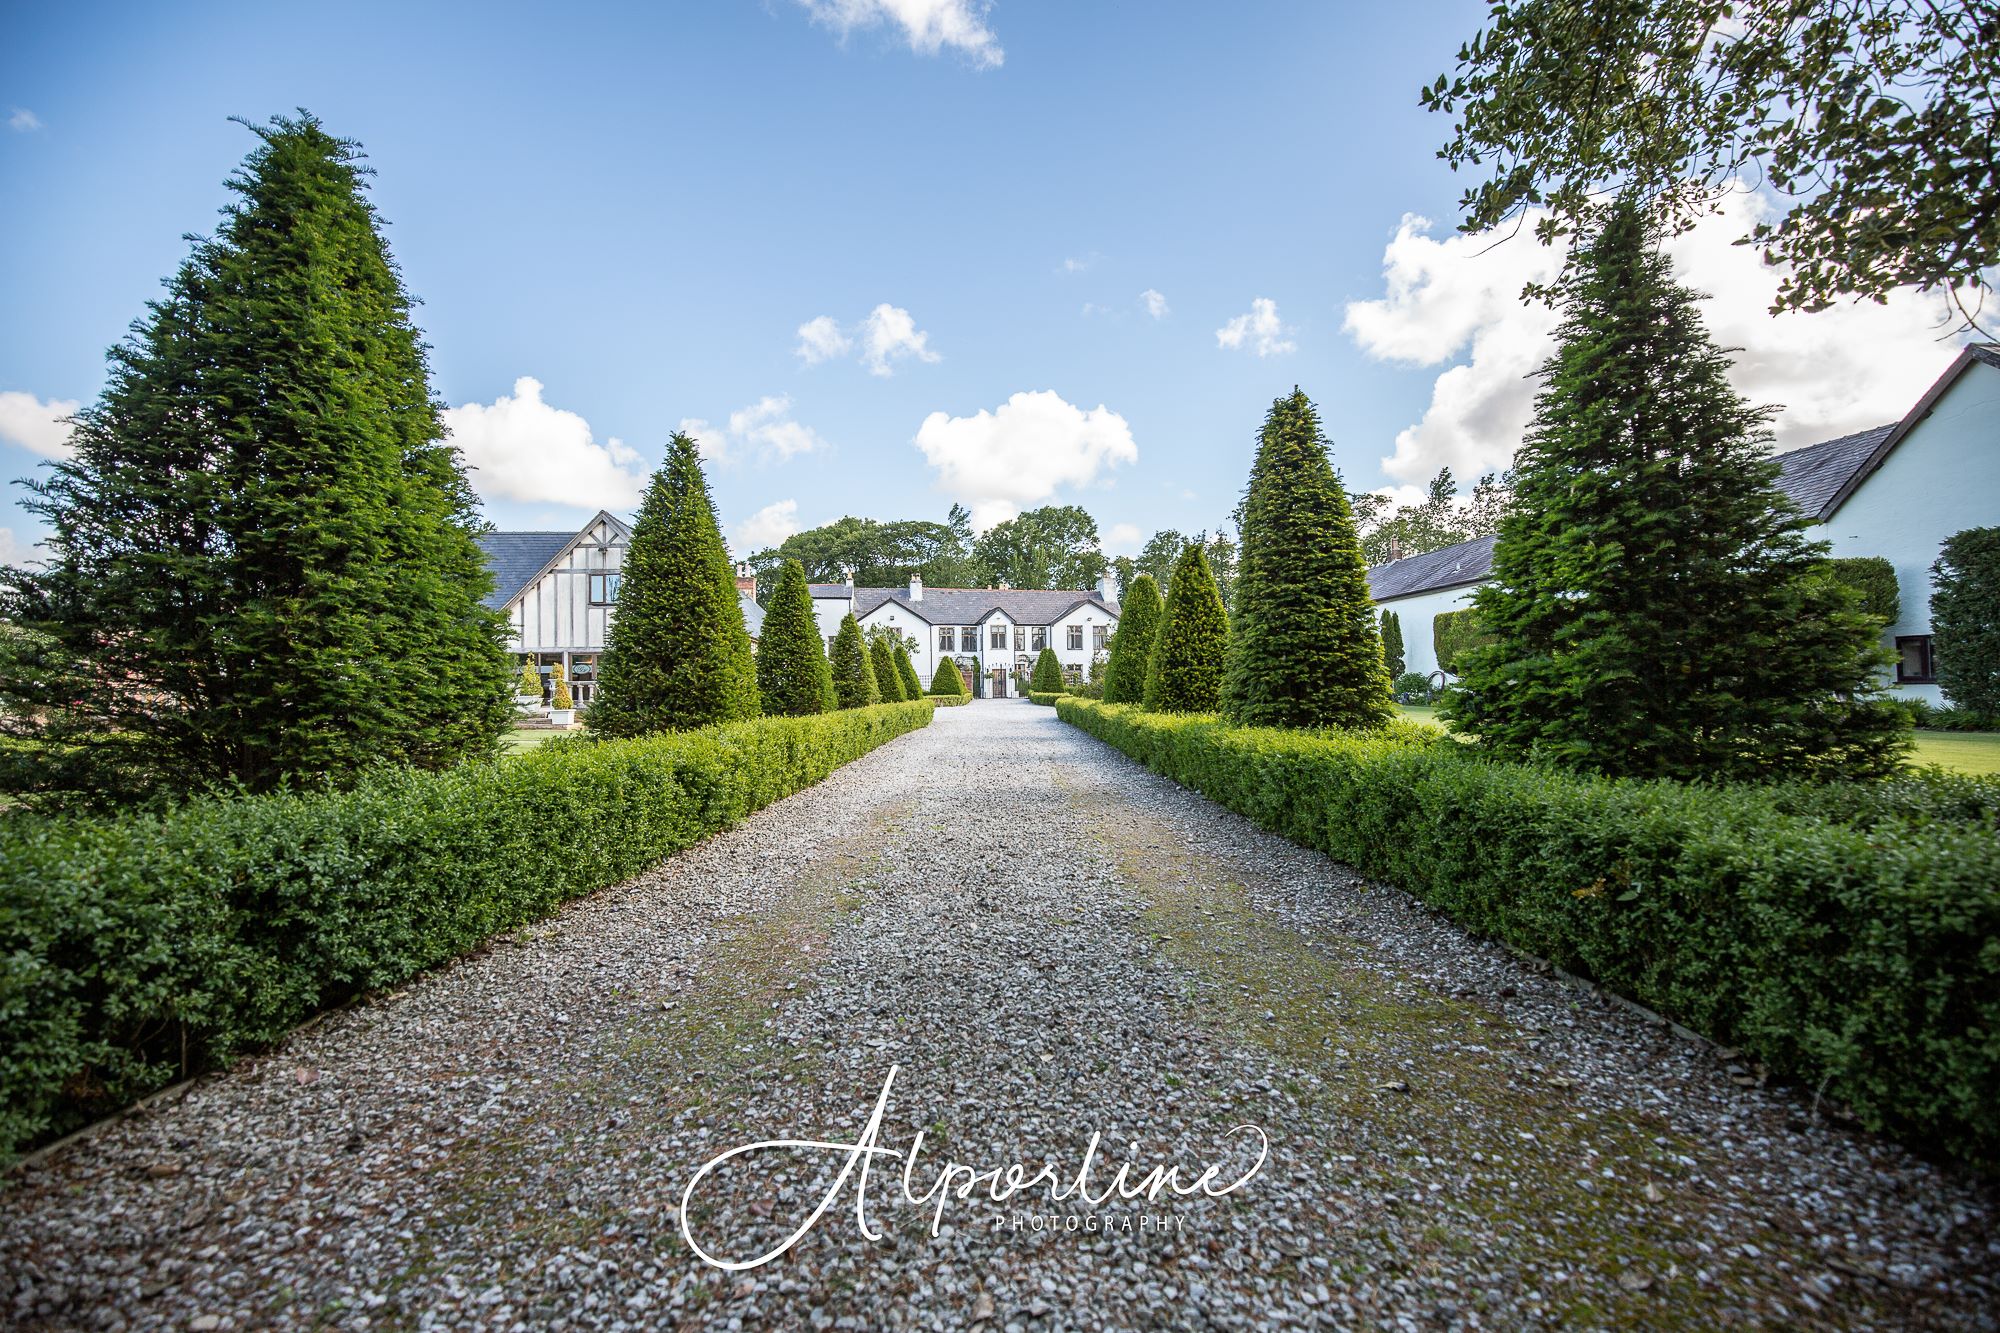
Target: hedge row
(949, 700)
(1046, 698)
(134, 950)
(1848, 936)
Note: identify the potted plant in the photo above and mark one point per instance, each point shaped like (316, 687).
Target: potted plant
(562, 708)
(528, 689)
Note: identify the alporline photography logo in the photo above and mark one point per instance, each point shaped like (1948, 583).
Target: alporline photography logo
(960, 1181)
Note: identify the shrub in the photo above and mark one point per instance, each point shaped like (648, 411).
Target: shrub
(559, 695)
(946, 680)
(1965, 619)
(793, 678)
(1930, 717)
(1303, 647)
(1392, 643)
(1842, 933)
(1132, 641)
(906, 671)
(1414, 687)
(530, 681)
(948, 700)
(138, 949)
(888, 681)
(1873, 580)
(1048, 676)
(854, 681)
(1455, 633)
(1184, 674)
(1046, 698)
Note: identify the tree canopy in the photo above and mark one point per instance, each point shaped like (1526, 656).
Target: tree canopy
(882, 555)
(1873, 120)
(1052, 547)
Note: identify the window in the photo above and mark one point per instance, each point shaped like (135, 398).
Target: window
(1097, 633)
(998, 640)
(603, 589)
(1076, 638)
(968, 639)
(1913, 660)
(1040, 639)
(946, 643)
(1020, 639)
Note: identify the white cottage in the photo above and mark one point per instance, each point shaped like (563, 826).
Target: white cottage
(1897, 491)
(989, 633)
(560, 591)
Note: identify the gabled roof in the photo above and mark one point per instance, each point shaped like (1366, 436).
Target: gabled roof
(971, 606)
(753, 614)
(518, 559)
(1817, 478)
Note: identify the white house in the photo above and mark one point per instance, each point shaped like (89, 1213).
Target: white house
(1897, 491)
(987, 632)
(560, 590)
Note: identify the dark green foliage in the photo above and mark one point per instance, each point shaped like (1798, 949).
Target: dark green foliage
(1926, 716)
(881, 555)
(1965, 620)
(1046, 698)
(1872, 124)
(1431, 524)
(906, 672)
(1048, 676)
(678, 654)
(1303, 648)
(1414, 687)
(1657, 608)
(1184, 671)
(1051, 547)
(1392, 643)
(136, 950)
(1132, 642)
(946, 680)
(1873, 580)
(1842, 933)
(793, 679)
(262, 565)
(1455, 633)
(888, 681)
(854, 683)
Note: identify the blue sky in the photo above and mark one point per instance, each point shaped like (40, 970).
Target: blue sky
(640, 208)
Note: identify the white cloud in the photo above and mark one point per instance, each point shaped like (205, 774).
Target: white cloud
(1260, 330)
(1458, 300)
(35, 425)
(18, 555)
(765, 429)
(821, 340)
(523, 449)
(23, 121)
(767, 527)
(1022, 452)
(1079, 265)
(886, 335)
(928, 25)
(1122, 539)
(1156, 304)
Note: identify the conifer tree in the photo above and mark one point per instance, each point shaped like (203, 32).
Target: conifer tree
(1048, 676)
(1132, 642)
(678, 654)
(1656, 609)
(888, 682)
(1392, 644)
(906, 671)
(1303, 647)
(854, 681)
(946, 680)
(1965, 618)
(1184, 672)
(262, 564)
(793, 679)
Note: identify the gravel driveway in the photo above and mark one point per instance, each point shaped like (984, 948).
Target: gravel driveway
(1045, 942)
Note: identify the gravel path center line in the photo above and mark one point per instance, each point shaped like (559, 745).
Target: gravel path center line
(1047, 942)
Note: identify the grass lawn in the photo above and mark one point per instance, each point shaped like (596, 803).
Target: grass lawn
(523, 739)
(1974, 752)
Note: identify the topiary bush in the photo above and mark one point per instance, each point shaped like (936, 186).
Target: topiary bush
(140, 949)
(1455, 633)
(1132, 642)
(1184, 674)
(888, 681)
(1965, 619)
(530, 681)
(1873, 580)
(946, 680)
(906, 671)
(1842, 933)
(854, 682)
(793, 678)
(1048, 674)
(1046, 698)
(559, 695)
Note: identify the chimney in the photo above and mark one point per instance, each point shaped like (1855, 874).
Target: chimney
(746, 580)
(1395, 549)
(848, 570)
(1107, 588)
(916, 587)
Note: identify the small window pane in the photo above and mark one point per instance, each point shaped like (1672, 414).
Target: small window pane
(1076, 636)
(945, 640)
(1913, 660)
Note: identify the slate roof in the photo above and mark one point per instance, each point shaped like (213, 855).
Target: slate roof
(516, 557)
(969, 606)
(1467, 562)
(1816, 475)
(753, 614)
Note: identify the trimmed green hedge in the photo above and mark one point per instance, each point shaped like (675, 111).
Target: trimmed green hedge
(949, 700)
(135, 949)
(1046, 698)
(1848, 935)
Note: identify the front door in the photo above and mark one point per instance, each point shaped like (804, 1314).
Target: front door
(999, 677)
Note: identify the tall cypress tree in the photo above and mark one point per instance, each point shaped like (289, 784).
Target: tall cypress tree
(906, 671)
(1184, 673)
(262, 558)
(793, 679)
(678, 654)
(1132, 642)
(1392, 644)
(854, 681)
(1303, 648)
(1656, 609)
(888, 683)
(1047, 677)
